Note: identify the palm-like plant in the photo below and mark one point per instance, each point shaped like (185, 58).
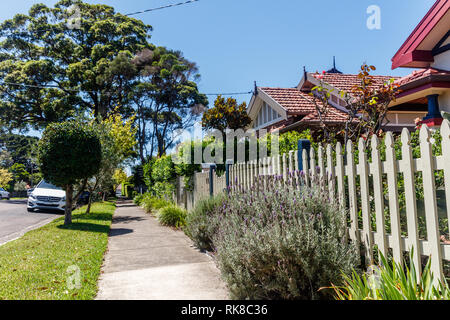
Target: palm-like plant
(393, 283)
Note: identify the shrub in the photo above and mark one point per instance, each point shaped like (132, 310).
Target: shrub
(68, 153)
(200, 226)
(151, 203)
(172, 216)
(282, 242)
(138, 199)
(164, 189)
(393, 283)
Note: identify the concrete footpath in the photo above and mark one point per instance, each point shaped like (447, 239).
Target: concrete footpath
(146, 261)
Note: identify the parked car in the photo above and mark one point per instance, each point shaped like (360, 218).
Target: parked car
(4, 194)
(29, 191)
(46, 196)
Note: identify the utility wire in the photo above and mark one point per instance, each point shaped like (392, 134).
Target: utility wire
(49, 86)
(128, 15)
(229, 94)
(163, 7)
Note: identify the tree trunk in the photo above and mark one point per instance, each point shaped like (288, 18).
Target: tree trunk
(69, 204)
(88, 210)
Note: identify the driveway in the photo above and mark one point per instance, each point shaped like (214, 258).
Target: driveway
(15, 220)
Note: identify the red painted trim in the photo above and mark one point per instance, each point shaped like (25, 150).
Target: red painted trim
(423, 87)
(431, 19)
(432, 122)
(414, 56)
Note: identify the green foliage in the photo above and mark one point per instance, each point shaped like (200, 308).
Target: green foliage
(152, 204)
(5, 178)
(19, 172)
(226, 115)
(164, 189)
(199, 223)
(288, 141)
(167, 99)
(277, 241)
(89, 73)
(163, 169)
(186, 153)
(68, 153)
(172, 216)
(20, 149)
(159, 175)
(139, 199)
(393, 282)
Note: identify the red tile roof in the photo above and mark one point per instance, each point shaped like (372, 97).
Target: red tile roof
(300, 103)
(291, 99)
(419, 74)
(332, 116)
(348, 81)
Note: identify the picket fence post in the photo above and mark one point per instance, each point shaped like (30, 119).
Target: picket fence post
(431, 214)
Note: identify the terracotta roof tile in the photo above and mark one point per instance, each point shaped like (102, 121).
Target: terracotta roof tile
(332, 116)
(419, 74)
(347, 81)
(292, 99)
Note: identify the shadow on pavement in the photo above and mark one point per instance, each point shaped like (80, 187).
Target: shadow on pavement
(13, 201)
(119, 232)
(127, 219)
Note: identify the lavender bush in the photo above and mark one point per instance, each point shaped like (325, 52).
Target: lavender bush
(282, 241)
(200, 223)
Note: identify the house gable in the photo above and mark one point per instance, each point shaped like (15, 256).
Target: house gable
(265, 111)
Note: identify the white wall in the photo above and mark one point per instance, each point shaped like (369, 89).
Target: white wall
(444, 101)
(442, 61)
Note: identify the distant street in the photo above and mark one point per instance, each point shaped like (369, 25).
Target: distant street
(15, 220)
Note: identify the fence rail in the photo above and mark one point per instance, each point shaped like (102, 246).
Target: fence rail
(368, 189)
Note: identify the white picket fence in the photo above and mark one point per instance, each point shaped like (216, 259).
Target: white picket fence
(340, 178)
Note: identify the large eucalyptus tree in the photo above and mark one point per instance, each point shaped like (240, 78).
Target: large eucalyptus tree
(61, 61)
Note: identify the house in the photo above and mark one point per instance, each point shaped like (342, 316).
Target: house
(287, 109)
(427, 48)
(422, 95)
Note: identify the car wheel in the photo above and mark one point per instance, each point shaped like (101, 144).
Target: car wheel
(30, 210)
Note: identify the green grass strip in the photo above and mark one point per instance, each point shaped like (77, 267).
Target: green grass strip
(45, 263)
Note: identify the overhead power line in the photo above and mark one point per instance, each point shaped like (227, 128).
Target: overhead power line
(162, 7)
(229, 94)
(128, 15)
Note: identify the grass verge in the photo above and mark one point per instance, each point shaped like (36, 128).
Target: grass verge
(43, 264)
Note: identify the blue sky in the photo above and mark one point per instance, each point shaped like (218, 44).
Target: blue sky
(237, 42)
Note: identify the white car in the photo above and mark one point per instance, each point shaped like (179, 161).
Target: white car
(4, 194)
(46, 196)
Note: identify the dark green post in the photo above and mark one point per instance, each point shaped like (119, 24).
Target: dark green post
(211, 179)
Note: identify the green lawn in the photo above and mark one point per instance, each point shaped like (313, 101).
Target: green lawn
(36, 265)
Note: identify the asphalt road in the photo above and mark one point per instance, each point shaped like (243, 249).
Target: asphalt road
(15, 220)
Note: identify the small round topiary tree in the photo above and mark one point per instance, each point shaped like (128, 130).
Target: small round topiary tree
(69, 152)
